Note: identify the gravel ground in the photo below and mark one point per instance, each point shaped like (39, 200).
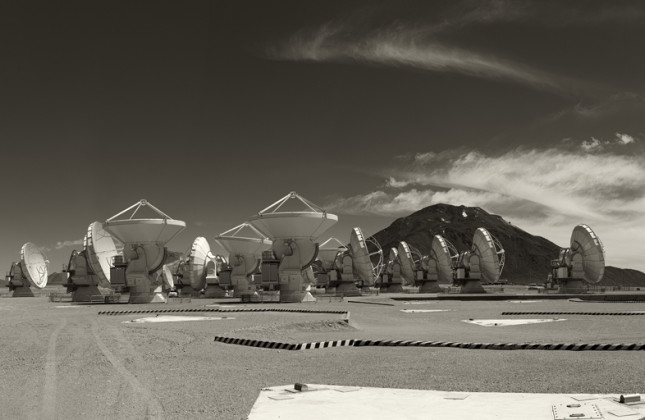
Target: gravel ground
(71, 363)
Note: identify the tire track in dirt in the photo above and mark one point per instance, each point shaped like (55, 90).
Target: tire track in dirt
(48, 409)
(154, 409)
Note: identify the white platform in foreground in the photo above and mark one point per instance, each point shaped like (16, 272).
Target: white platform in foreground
(324, 402)
(174, 318)
(509, 322)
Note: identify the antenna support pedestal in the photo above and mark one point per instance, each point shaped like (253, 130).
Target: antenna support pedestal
(395, 281)
(21, 291)
(18, 282)
(346, 286)
(572, 286)
(429, 283)
(85, 293)
(143, 287)
(470, 285)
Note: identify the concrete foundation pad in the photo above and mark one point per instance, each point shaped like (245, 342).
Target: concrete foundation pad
(508, 322)
(322, 402)
(174, 318)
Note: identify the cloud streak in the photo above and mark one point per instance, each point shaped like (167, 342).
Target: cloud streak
(411, 47)
(65, 244)
(419, 45)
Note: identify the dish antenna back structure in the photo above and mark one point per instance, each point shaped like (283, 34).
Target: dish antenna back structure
(485, 260)
(329, 261)
(189, 273)
(244, 256)
(438, 265)
(392, 282)
(31, 270)
(366, 258)
(583, 262)
(144, 251)
(410, 259)
(294, 235)
(90, 268)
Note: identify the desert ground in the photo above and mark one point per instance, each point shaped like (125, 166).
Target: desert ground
(64, 360)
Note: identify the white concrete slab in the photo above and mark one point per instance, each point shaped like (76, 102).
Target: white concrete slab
(523, 301)
(508, 322)
(324, 402)
(174, 318)
(411, 311)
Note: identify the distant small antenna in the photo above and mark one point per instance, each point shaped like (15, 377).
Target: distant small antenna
(245, 255)
(30, 271)
(485, 260)
(439, 265)
(583, 262)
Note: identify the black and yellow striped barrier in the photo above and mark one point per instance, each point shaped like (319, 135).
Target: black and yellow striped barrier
(411, 343)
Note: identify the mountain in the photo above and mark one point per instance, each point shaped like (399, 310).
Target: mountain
(528, 257)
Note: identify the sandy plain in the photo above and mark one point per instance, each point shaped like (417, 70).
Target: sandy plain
(63, 361)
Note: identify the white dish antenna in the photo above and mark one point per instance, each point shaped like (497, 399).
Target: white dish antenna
(407, 261)
(311, 223)
(445, 256)
(329, 253)
(159, 230)
(363, 257)
(35, 265)
(156, 232)
(100, 250)
(294, 235)
(587, 247)
(247, 248)
(491, 255)
(198, 258)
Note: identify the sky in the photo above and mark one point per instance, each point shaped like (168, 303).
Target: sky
(533, 110)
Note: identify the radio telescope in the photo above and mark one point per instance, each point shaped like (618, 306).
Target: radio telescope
(392, 281)
(485, 260)
(189, 273)
(366, 257)
(216, 284)
(144, 250)
(294, 235)
(31, 270)
(583, 262)
(438, 265)
(410, 260)
(245, 256)
(90, 268)
(329, 262)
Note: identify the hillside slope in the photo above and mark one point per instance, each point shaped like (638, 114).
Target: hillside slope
(528, 257)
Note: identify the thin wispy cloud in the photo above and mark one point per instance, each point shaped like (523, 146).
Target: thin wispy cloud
(412, 47)
(545, 192)
(420, 46)
(65, 244)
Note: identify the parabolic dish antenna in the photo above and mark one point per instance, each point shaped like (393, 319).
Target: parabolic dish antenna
(407, 262)
(393, 256)
(445, 255)
(198, 258)
(310, 223)
(328, 252)
(362, 256)
(235, 244)
(245, 255)
(294, 235)
(100, 250)
(130, 230)
(587, 244)
(490, 253)
(35, 264)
